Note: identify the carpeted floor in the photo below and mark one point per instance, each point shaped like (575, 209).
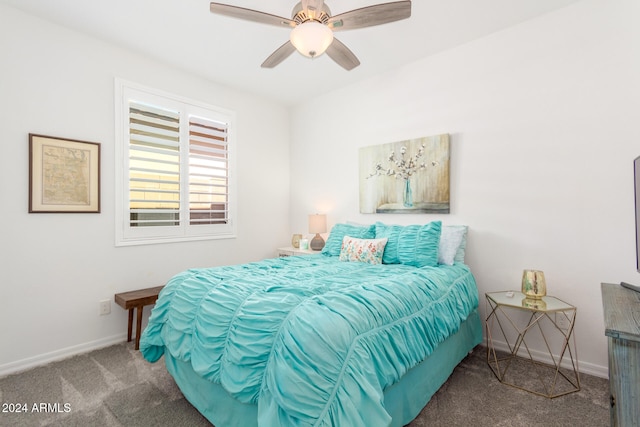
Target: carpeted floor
(115, 386)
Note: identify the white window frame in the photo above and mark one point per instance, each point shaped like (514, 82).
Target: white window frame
(126, 235)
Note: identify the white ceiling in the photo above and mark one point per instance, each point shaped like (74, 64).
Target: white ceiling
(229, 51)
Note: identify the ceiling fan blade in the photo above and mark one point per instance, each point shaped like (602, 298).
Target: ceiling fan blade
(280, 54)
(342, 55)
(250, 15)
(371, 15)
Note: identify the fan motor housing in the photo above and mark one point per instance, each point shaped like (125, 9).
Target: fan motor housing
(300, 15)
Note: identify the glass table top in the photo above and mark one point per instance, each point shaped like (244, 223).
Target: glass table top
(517, 299)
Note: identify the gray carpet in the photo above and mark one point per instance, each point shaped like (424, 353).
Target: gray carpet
(114, 386)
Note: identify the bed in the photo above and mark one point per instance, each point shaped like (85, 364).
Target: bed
(362, 334)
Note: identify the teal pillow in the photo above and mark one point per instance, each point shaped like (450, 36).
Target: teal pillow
(334, 241)
(415, 245)
(418, 244)
(392, 234)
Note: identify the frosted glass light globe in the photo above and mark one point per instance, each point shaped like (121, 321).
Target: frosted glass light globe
(311, 38)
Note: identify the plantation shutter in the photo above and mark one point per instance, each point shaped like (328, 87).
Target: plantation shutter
(175, 167)
(154, 166)
(208, 172)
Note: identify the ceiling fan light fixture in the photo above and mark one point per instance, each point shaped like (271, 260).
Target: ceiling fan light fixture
(311, 38)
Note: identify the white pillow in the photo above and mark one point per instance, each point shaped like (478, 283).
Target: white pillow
(453, 239)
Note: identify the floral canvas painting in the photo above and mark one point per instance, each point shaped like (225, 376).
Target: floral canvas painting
(406, 176)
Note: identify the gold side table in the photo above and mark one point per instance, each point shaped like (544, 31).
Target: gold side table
(512, 320)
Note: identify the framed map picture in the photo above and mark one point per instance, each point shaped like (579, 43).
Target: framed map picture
(64, 175)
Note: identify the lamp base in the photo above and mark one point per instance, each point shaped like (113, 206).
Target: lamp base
(317, 243)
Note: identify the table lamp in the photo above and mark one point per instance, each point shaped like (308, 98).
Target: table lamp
(317, 225)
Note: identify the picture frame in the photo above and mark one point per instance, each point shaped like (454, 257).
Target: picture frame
(64, 175)
(406, 177)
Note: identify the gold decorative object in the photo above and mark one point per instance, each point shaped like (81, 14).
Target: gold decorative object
(534, 285)
(536, 304)
(295, 240)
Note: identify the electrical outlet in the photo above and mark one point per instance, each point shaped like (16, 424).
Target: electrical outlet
(105, 307)
(562, 321)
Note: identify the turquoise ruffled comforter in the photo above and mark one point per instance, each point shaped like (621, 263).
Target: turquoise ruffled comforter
(311, 340)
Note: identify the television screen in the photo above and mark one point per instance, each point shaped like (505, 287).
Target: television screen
(636, 175)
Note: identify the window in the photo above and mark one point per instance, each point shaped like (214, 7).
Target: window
(174, 168)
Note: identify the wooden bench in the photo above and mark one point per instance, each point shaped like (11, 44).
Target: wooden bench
(137, 299)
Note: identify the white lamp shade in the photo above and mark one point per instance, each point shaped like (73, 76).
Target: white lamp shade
(311, 38)
(317, 223)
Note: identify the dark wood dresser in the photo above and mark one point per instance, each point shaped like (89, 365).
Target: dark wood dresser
(622, 327)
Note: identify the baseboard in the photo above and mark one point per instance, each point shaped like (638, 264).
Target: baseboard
(43, 359)
(583, 367)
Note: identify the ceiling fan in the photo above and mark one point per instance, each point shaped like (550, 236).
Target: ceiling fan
(313, 27)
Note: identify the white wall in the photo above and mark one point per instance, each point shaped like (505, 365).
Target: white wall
(543, 119)
(55, 268)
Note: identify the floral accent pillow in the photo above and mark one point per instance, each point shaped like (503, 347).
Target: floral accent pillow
(362, 250)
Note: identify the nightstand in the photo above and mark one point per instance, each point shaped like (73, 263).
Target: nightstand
(291, 251)
(513, 319)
